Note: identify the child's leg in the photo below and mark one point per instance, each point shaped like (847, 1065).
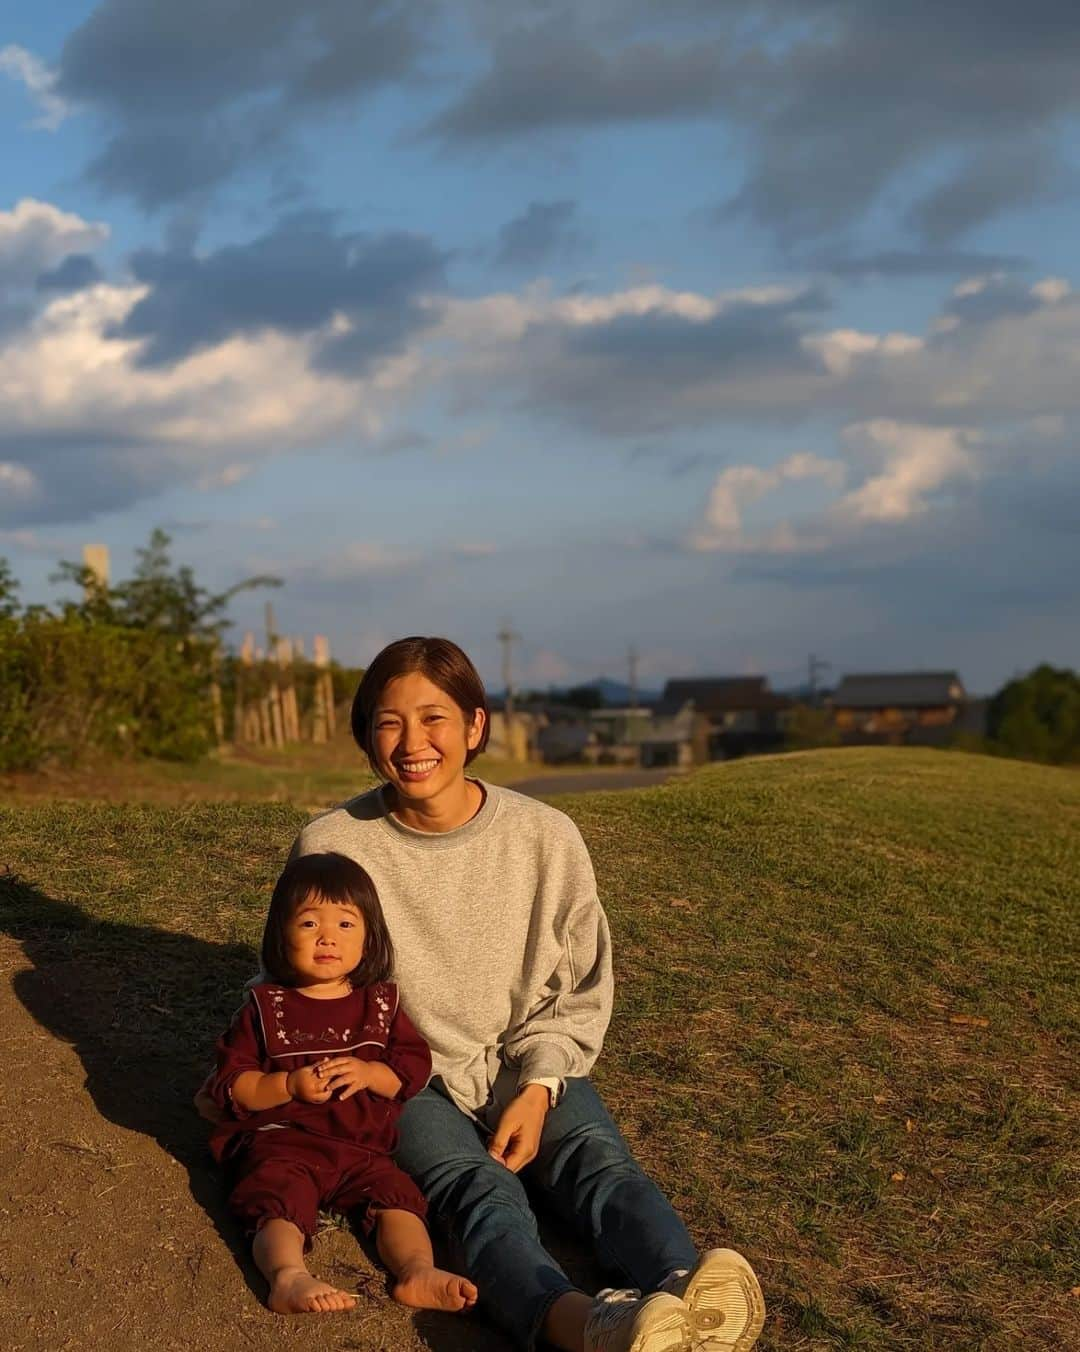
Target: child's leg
(404, 1246)
(278, 1251)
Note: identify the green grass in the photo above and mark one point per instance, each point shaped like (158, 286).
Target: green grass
(845, 1037)
(311, 777)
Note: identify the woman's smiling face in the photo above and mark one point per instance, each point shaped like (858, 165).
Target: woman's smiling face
(421, 737)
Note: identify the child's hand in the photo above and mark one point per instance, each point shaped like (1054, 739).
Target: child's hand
(306, 1084)
(345, 1073)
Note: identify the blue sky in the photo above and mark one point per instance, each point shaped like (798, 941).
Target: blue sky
(732, 332)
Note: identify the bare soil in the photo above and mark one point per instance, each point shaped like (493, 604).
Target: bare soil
(114, 1237)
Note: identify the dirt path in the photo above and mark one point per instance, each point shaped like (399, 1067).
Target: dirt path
(104, 1243)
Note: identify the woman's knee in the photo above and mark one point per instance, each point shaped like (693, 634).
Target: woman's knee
(477, 1194)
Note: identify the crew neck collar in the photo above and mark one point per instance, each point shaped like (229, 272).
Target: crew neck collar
(443, 840)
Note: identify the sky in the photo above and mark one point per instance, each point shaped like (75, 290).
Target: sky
(730, 333)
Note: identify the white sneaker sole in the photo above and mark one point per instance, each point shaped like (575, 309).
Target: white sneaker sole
(662, 1326)
(723, 1295)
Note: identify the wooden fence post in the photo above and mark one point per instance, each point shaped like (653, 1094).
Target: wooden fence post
(320, 723)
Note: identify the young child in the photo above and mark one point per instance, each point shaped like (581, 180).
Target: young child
(310, 1080)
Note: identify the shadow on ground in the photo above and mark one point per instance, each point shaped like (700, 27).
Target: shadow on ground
(141, 1007)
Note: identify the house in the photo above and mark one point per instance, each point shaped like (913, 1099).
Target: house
(742, 715)
(907, 706)
(679, 740)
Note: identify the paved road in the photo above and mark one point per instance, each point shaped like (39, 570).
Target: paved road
(591, 781)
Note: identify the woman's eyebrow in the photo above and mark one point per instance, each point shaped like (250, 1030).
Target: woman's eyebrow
(423, 708)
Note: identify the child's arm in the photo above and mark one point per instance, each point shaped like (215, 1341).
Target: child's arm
(239, 1084)
(253, 1091)
(404, 1072)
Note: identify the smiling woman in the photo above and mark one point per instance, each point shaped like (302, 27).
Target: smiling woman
(503, 959)
(421, 715)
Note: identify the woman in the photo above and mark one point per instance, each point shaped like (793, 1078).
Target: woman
(504, 966)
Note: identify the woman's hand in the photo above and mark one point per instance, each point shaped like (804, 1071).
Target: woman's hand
(345, 1073)
(517, 1137)
(306, 1085)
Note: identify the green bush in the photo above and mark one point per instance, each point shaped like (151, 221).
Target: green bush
(125, 670)
(1037, 716)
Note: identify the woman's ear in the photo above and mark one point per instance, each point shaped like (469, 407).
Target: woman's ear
(475, 729)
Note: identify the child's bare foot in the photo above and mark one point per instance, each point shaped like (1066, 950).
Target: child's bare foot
(430, 1288)
(296, 1291)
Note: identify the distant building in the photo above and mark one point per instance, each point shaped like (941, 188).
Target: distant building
(742, 715)
(909, 706)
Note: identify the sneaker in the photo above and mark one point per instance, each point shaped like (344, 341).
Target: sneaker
(622, 1322)
(724, 1301)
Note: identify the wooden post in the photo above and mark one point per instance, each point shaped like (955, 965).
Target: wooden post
(96, 558)
(215, 696)
(290, 714)
(320, 723)
(243, 729)
(277, 730)
(328, 679)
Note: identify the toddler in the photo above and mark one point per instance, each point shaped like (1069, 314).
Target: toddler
(310, 1080)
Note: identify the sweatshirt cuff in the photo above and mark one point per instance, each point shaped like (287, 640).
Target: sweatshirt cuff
(555, 1087)
(543, 1061)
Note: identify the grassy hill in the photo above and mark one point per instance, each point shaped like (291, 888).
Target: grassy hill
(846, 1024)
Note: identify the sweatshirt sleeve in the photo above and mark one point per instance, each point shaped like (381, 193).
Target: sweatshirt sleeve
(564, 1029)
(239, 1049)
(407, 1055)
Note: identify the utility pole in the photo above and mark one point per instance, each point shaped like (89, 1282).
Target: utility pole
(814, 667)
(632, 665)
(507, 637)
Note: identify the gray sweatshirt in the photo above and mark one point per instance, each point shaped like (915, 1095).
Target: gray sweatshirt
(502, 951)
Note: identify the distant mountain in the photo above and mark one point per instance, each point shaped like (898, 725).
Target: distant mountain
(615, 694)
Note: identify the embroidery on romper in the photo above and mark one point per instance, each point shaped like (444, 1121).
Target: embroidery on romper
(283, 1040)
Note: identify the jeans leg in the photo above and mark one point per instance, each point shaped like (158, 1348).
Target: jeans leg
(585, 1170)
(487, 1212)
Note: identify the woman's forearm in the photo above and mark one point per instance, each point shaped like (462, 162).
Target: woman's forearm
(253, 1091)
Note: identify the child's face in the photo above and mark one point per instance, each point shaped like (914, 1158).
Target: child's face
(324, 941)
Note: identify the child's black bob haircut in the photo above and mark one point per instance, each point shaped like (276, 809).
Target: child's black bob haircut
(333, 878)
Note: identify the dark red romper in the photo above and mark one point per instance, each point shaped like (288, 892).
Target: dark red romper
(288, 1161)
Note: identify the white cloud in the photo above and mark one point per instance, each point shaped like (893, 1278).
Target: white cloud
(915, 463)
(16, 480)
(225, 477)
(364, 558)
(36, 235)
(840, 349)
(1051, 289)
(900, 467)
(739, 486)
(206, 420)
(544, 668)
(40, 80)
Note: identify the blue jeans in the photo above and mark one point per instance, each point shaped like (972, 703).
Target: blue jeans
(584, 1172)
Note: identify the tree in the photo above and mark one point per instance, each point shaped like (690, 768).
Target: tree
(120, 669)
(1038, 715)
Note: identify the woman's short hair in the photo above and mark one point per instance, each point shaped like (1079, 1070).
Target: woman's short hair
(333, 878)
(442, 662)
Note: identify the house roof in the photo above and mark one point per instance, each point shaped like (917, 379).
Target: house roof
(899, 689)
(721, 694)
